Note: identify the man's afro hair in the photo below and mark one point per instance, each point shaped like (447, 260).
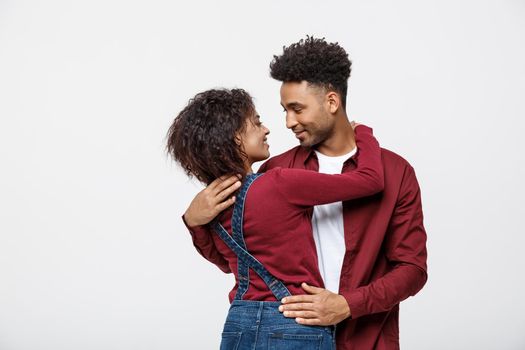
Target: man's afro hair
(315, 61)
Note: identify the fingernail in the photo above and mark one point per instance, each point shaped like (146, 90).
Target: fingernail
(281, 308)
(286, 313)
(283, 300)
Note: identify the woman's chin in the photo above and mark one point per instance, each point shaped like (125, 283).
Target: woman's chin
(263, 157)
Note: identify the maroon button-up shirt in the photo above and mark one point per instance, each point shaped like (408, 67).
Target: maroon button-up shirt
(385, 258)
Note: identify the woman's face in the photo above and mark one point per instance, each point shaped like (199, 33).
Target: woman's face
(253, 140)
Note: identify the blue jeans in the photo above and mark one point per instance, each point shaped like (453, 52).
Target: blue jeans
(258, 325)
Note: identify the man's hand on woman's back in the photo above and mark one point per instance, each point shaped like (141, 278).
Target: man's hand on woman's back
(209, 202)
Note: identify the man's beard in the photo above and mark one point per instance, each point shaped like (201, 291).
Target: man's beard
(315, 138)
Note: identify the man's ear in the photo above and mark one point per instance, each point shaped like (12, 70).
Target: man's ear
(333, 101)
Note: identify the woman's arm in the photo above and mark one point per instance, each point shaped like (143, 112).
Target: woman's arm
(309, 188)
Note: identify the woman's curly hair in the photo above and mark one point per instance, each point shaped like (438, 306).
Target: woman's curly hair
(314, 60)
(202, 137)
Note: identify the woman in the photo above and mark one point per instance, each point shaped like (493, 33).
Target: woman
(219, 133)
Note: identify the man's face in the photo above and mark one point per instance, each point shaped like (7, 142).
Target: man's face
(306, 113)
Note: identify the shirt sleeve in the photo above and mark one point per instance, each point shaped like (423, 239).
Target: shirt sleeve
(405, 247)
(308, 188)
(203, 242)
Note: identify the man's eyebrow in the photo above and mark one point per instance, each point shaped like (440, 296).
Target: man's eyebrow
(293, 105)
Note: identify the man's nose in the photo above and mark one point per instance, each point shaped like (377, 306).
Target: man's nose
(290, 120)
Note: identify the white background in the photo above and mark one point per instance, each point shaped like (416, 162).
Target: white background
(93, 254)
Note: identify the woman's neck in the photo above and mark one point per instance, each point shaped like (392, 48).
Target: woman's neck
(248, 167)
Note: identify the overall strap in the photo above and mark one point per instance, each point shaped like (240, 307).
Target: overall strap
(243, 265)
(238, 210)
(247, 260)
(238, 246)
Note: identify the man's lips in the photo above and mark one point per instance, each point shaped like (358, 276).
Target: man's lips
(299, 134)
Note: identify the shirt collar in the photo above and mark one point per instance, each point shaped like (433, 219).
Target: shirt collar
(307, 153)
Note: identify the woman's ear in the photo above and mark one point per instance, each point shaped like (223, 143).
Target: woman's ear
(238, 140)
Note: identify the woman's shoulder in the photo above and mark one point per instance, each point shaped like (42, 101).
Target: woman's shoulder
(271, 172)
(283, 174)
(268, 179)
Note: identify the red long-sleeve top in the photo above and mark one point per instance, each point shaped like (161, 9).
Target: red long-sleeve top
(277, 218)
(385, 258)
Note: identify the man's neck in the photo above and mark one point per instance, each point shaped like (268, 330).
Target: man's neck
(341, 141)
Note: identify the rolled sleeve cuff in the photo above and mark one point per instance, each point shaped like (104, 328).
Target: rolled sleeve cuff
(198, 232)
(356, 303)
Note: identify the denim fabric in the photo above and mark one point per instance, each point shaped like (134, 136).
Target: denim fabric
(258, 325)
(236, 243)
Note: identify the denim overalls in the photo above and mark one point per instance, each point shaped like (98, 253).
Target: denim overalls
(258, 325)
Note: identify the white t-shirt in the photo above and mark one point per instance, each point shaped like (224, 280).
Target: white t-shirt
(327, 223)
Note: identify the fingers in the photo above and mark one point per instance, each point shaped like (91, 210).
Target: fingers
(218, 193)
(298, 299)
(216, 182)
(309, 321)
(297, 306)
(311, 289)
(301, 314)
(224, 183)
(225, 193)
(226, 204)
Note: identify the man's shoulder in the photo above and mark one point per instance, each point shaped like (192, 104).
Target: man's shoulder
(391, 158)
(397, 169)
(285, 159)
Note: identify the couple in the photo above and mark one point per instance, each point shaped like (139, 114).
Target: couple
(327, 235)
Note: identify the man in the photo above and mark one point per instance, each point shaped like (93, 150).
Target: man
(371, 251)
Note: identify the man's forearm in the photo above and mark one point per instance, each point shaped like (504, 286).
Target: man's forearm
(386, 292)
